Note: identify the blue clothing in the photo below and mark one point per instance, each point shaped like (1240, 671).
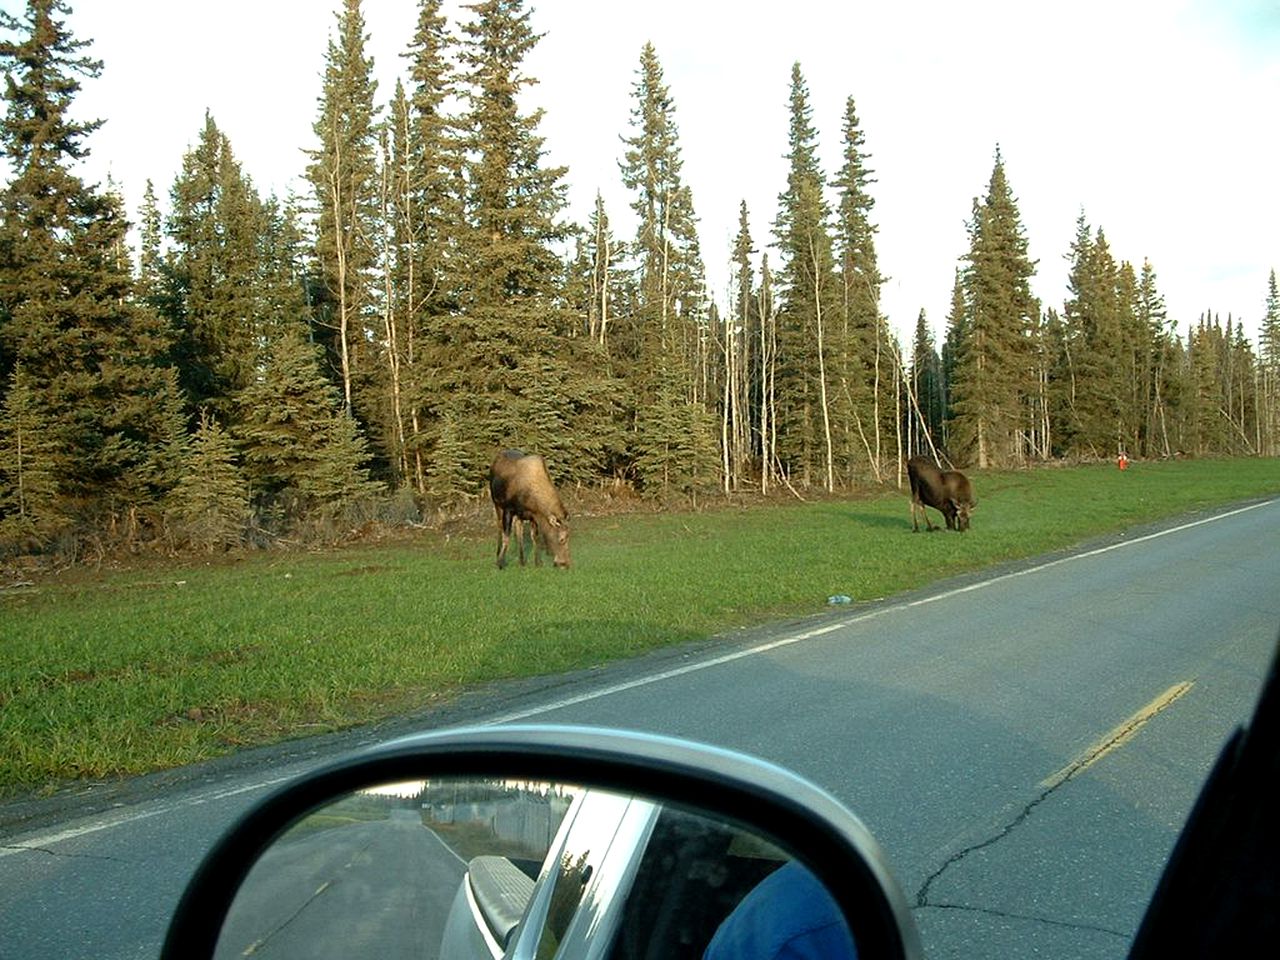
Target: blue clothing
(788, 916)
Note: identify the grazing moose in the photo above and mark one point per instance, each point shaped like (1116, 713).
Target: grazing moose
(947, 491)
(522, 490)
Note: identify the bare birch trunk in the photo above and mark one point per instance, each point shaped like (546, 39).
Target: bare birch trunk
(766, 453)
(822, 366)
(875, 398)
(337, 203)
(727, 402)
(897, 407)
(390, 328)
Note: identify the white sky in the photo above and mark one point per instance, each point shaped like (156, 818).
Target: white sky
(1157, 117)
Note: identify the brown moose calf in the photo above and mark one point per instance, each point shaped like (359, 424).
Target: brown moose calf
(522, 490)
(947, 491)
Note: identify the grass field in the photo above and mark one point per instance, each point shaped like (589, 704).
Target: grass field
(111, 673)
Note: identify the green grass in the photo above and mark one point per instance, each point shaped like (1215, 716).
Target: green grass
(124, 672)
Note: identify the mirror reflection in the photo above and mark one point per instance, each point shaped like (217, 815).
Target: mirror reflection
(482, 869)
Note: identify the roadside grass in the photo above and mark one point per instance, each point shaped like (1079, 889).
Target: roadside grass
(117, 673)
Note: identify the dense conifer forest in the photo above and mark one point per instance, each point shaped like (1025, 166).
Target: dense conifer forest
(236, 369)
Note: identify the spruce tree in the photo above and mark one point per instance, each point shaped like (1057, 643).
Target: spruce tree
(151, 272)
(1269, 367)
(209, 506)
(1093, 319)
(741, 340)
(1269, 339)
(598, 274)
(865, 356)
(665, 336)
(211, 286)
(91, 354)
(809, 312)
(513, 206)
(343, 173)
(427, 205)
(926, 399)
(1202, 429)
(957, 331)
(301, 451)
(992, 384)
(767, 430)
(1152, 316)
(510, 371)
(29, 507)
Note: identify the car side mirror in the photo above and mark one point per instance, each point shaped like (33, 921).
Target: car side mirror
(544, 841)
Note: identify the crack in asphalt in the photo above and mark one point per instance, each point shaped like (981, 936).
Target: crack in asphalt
(1113, 739)
(25, 848)
(1009, 915)
(922, 895)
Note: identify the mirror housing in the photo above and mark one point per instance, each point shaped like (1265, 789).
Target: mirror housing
(804, 820)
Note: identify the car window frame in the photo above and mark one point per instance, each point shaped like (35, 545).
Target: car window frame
(597, 911)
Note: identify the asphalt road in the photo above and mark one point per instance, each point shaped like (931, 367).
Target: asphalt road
(380, 888)
(1025, 744)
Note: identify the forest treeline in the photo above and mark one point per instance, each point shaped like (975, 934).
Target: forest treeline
(260, 368)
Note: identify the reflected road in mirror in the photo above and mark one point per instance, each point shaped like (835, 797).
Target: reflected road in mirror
(475, 870)
(373, 875)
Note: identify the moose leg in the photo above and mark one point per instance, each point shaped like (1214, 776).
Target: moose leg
(518, 526)
(924, 512)
(534, 534)
(504, 535)
(915, 524)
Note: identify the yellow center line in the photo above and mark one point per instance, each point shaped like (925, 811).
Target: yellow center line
(1117, 736)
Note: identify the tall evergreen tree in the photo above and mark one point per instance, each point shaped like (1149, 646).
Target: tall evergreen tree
(1203, 430)
(302, 451)
(508, 368)
(957, 331)
(1269, 368)
(1152, 315)
(992, 383)
(1269, 340)
(767, 429)
(210, 285)
(809, 313)
(601, 257)
(91, 355)
(741, 344)
(29, 507)
(151, 274)
(865, 357)
(343, 173)
(926, 406)
(209, 506)
(427, 205)
(1092, 316)
(669, 326)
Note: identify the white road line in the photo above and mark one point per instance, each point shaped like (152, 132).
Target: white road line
(41, 841)
(850, 621)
